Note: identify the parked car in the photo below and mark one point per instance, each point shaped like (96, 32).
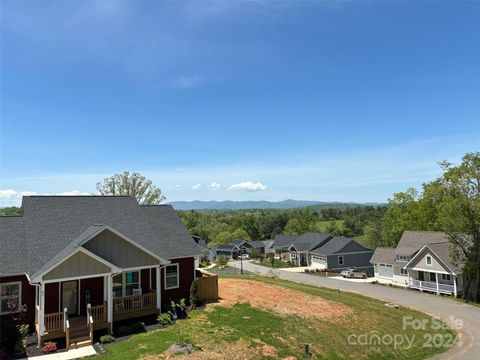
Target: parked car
(354, 273)
(244, 257)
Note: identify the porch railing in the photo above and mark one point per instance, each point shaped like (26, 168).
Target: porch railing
(128, 304)
(431, 286)
(54, 322)
(99, 313)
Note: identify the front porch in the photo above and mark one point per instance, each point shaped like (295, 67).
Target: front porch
(94, 303)
(436, 282)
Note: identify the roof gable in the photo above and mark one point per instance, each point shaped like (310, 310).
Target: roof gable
(412, 241)
(53, 225)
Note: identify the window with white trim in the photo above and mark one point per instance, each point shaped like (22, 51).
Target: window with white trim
(446, 277)
(340, 260)
(402, 257)
(403, 271)
(124, 283)
(428, 260)
(10, 292)
(171, 276)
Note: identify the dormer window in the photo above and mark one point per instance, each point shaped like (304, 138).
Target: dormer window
(402, 257)
(428, 260)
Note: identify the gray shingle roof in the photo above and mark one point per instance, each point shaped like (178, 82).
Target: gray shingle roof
(312, 239)
(335, 245)
(284, 241)
(412, 241)
(12, 252)
(55, 224)
(259, 243)
(226, 247)
(383, 255)
(444, 251)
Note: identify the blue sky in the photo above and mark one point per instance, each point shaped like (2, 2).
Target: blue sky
(333, 101)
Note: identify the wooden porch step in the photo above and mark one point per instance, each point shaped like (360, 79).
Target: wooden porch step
(81, 342)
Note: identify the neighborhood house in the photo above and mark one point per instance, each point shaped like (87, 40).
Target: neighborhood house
(81, 263)
(421, 260)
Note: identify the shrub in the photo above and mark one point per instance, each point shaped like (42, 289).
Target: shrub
(49, 347)
(107, 339)
(222, 260)
(204, 262)
(24, 330)
(194, 299)
(164, 319)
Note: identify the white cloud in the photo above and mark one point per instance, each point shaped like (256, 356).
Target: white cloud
(196, 187)
(248, 186)
(7, 193)
(215, 186)
(73, 193)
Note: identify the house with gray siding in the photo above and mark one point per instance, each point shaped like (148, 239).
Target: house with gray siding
(324, 251)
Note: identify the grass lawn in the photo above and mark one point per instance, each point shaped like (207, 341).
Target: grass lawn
(225, 331)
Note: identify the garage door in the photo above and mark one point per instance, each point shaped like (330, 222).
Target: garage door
(319, 262)
(385, 270)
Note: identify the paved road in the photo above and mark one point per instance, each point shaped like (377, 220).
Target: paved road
(438, 306)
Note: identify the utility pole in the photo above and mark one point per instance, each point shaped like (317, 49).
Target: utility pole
(241, 260)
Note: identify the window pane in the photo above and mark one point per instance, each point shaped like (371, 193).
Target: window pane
(117, 280)
(131, 277)
(10, 290)
(171, 282)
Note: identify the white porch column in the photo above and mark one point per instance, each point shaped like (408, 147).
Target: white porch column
(455, 285)
(110, 300)
(436, 281)
(408, 274)
(157, 288)
(41, 313)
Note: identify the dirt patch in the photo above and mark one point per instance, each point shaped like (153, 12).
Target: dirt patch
(239, 350)
(280, 300)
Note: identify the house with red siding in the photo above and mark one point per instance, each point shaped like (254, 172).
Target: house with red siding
(82, 263)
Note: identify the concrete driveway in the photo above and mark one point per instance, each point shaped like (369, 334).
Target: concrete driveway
(451, 311)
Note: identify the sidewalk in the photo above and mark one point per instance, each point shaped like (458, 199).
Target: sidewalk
(67, 355)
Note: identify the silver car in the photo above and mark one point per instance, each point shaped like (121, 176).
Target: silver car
(354, 273)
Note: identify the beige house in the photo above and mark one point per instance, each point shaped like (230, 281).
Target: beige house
(422, 260)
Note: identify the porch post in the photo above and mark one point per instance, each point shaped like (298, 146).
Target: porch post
(455, 285)
(110, 302)
(157, 288)
(408, 274)
(436, 280)
(41, 313)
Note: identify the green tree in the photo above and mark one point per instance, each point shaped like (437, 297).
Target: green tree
(457, 195)
(134, 184)
(255, 253)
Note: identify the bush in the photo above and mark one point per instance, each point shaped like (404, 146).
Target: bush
(221, 260)
(194, 299)
(107, 339)
(164, 319)
(204, 262)
(49, 347)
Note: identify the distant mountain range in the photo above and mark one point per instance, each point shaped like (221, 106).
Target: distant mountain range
(239, 205)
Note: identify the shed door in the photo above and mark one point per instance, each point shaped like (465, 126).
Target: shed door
(385, 270)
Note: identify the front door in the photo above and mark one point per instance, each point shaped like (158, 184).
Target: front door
(69, 296)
